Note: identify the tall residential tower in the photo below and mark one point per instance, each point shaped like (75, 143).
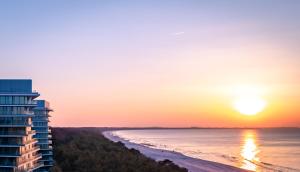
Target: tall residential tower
(43, 133)
(18, 148)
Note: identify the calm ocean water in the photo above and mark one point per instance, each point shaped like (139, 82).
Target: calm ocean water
(252, 149)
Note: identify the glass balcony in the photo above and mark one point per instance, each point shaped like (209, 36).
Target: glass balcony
(47, 159)
(6, 162)
(42, 130)
(45, 147)
(37, 165)
(10, 142)
(43, 141)
(46, 153)
(12, 133)
(14, 142)
(48, 163)
(13, 122)
(9, 154)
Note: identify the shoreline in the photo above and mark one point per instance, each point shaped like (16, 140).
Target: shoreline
(192, 164)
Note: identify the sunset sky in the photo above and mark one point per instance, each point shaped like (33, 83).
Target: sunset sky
(156, 63)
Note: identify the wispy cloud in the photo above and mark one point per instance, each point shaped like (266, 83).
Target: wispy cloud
(177, 33)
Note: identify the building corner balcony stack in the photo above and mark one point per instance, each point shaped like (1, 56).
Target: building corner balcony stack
(18, 148)
(43, 134)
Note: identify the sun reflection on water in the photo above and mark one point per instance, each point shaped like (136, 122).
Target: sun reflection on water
(249, 151)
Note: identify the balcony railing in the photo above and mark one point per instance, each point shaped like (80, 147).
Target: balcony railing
(18, 104)
(9, 153)
(37, 165)
(45, 147)
(16, 142)
(24, 160)
(20, 113)
(40, 119)
(44, 141)
(47, 153)
(11, 142)
(8, 163)
(25, 123)
(48, 163)
(47, 158)
(40, 130)
(12, 133)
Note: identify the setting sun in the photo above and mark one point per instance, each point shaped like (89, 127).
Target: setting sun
(248, 99)
(249, 105)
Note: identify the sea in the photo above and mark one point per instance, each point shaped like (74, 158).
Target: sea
(261, 150)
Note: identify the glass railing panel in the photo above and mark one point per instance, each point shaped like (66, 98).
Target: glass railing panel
(13, 133)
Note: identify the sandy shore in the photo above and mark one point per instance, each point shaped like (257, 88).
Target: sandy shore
(192, 164)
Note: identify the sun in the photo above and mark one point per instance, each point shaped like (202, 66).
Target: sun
(249, 105)
(248, 99)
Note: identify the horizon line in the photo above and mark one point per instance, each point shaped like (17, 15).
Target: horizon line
(180, 127)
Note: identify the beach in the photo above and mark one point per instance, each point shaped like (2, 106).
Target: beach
(192, 164)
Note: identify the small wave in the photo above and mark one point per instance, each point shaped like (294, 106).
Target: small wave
(275, 167)
(148, 144)
(261, 166)
(264, 166)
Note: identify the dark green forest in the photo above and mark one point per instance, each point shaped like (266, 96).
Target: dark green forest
(87, 150)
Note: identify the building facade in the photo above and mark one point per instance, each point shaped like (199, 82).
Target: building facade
(18, 148)
(43, 134)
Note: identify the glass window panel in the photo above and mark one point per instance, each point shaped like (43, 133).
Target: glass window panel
(22, 100)
(10, 100)
(17, 100)
(2, 100)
